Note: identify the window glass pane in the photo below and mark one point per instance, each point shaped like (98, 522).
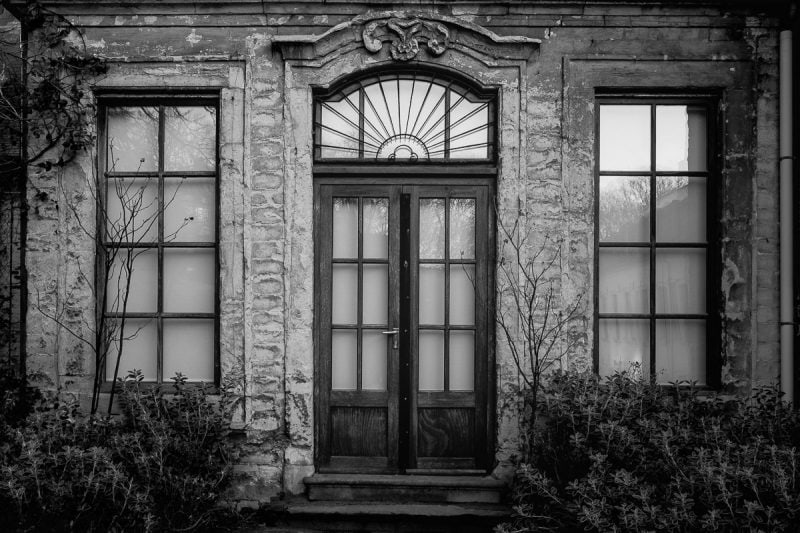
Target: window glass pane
(624, 280)
(462, 295)
(431, 228)
(190, 138)
(680, 209)
(189, 280)
(462, 360)
(373, 360)
(680, 350)
(680, 280)
(189, 210)
(431, 360)
(429, 123)
(431, 294)
(142, 296)
(138, 349)
(680, 138)
(375, 294)
(469, 133)
(624, 345)
(624, 137)
(132, 139)
(339, 128)
(624, 208)
(462, 228)
(132, 210)
(344, 374)
(376, 228)
(189, 349)
(345, 227)
(344, 295)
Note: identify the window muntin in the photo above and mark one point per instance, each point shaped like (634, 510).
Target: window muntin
(405, 117)
(653, 247)
(159, 220)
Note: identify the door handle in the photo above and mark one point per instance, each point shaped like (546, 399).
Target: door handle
(396, 333)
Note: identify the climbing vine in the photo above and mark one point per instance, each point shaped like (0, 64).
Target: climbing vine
(45, 97)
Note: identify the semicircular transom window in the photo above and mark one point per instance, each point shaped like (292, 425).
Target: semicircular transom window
(405, 118)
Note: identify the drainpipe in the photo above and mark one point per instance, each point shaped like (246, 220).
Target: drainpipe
(786, 218)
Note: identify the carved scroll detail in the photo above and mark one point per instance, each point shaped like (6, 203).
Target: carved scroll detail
(405, 36)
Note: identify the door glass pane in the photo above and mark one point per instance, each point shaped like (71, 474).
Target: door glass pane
(344, 296)
(189, 349)
(462, 360)
(132, 139)
(373, 360)
(344, 358)
(189, 280)
(138, 349)
(462, 295)
(132, 210)
(680, 209)
(189, 138)
(189, 210)
(375, 294)
(680, 350)
(142, 297)
(376, 228)
(680, 280)
(624, 137)
(624, 280)
(431, 294)
(431, 228)
(345, 227)
(624, 208)
(431, 360)
(624, 346)
(462, 228)
(680, 138)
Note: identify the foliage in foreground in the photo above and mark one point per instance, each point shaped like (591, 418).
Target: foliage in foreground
(160, 467)
(624, 455)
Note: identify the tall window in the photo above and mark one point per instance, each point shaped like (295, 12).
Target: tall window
(159, 216)
(653, 256)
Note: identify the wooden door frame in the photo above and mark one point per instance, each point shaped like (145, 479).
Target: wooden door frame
(399, 176)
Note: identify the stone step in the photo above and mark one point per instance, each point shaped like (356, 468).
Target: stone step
(404, 488)
(300, 515)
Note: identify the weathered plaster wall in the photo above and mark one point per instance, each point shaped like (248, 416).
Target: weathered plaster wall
(547, 155)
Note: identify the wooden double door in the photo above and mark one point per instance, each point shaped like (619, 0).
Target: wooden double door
(404, 368)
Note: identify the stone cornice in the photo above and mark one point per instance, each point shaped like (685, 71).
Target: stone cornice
(403, 32)
(263, 7)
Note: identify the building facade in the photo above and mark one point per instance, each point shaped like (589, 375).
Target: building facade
(318, 204)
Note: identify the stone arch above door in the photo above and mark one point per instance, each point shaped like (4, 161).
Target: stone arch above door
(318, 61)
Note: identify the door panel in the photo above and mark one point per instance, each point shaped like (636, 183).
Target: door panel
(357, 377)
(449, 268)
(402, 373)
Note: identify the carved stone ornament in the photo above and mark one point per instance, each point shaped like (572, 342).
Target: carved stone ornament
(405, 36)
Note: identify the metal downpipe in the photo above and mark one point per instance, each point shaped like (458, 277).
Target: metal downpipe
(786, 219)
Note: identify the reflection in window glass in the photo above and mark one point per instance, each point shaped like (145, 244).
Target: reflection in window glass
(680, 138)
(132, 139)
(190, 138)
(624, 208)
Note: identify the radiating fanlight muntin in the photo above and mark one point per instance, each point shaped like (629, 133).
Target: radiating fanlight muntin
(405, 117)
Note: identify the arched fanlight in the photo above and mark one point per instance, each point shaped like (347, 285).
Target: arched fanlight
(405, 117)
